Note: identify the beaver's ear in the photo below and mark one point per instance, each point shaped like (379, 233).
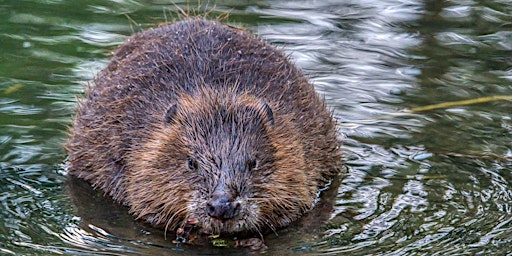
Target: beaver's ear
(171, 114)
(268, 113)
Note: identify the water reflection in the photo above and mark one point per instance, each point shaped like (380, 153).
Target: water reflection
(431, 182)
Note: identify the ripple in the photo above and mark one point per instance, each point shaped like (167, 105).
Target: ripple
(20, 110)
(116, 7)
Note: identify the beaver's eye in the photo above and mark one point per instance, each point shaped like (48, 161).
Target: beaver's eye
(252, 164)
(192, 164)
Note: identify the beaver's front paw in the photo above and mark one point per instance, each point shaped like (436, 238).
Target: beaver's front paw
(184, 233)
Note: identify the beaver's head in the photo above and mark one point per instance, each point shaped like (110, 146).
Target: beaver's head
(226, 159)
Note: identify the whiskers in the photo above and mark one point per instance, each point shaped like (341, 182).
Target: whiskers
(269, 225)
(260, 214)
(173, 220)
(276, 211)
(274, 199)
(281, 204)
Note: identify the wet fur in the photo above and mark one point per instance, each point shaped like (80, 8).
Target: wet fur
(200, 90)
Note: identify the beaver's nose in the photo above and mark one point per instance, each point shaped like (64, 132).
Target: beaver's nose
(222, 206)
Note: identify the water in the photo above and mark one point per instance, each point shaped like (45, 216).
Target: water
(418, 182)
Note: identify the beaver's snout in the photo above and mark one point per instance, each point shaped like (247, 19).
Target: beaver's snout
(222, 206)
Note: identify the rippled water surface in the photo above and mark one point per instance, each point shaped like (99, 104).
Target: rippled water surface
(422, 178)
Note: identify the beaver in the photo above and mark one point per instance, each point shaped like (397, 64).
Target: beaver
(205, 124)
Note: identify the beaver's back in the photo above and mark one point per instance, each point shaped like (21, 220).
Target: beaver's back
(153, 68)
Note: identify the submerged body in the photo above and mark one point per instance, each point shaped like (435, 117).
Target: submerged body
(201, 121)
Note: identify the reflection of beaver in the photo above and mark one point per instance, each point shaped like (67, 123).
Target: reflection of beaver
(204, 122)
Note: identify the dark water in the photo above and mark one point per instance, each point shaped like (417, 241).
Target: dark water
(419, 181)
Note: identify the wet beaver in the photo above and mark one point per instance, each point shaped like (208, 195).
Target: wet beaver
(202, 122)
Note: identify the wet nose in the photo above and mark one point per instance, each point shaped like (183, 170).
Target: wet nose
(222, 206)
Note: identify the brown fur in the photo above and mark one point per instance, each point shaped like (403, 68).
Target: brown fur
(189, 107)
